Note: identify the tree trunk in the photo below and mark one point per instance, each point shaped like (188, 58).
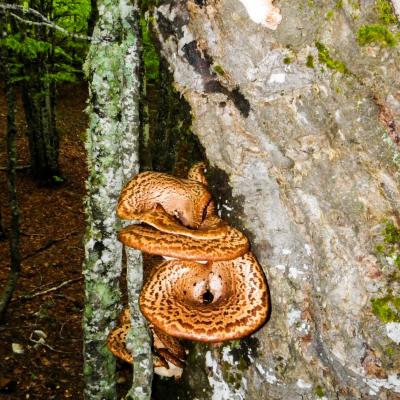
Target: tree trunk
(301, 127)
(112, 144)
(13, 275)
(38, 93)
(39, 106)
(2, 232)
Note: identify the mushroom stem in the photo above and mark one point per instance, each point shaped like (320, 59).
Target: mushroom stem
(138, 339)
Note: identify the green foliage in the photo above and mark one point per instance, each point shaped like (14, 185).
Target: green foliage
(151, 58)
(61, 55)
(385, 12)
(325, 58)
(376, 34)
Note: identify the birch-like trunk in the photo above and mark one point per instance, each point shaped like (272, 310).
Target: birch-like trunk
(301, 125)
(138, 340)
(111, 68)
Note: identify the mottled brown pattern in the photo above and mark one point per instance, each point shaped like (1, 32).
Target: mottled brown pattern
(166, 348)
(211, 228)
(116, 343)
(196, 173)
(173, 299)
(231, 245)
(186, 199)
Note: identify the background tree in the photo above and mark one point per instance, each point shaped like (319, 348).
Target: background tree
(8, 290)
(45, 57)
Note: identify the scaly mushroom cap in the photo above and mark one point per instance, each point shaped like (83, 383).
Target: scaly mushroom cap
(220, 301)
(185, 199)
(227, 246)
(167, 353)
(196, 173)
(211, 228)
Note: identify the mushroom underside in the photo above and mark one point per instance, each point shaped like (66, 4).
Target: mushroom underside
(211, 227)
(145, 238)
(168, 352)
(221, 301)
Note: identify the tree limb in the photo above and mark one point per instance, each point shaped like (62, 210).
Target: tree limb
(53, 289)
(45, 21)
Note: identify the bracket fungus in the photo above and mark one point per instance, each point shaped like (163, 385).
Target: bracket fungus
(168, 354)
(231, 245)
(225, 299)
(185, 199)
(216, 302)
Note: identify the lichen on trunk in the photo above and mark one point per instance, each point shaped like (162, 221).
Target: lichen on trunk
(110, 68)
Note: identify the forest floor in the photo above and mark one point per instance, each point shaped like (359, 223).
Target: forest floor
(45, 329)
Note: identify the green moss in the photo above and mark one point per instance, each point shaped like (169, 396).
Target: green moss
(339, 4)
(329, 15)
(319, 391)
(325, 58)
(387, 308)
(385, 12)
(376, 34)
(389, 351)
(390, 247)
(391, 234)
(310, 61)
(287, 60)
(218, 69)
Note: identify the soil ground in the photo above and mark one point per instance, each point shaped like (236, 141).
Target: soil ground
(47, 327)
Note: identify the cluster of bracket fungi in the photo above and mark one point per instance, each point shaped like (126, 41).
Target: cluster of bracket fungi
(210, 289)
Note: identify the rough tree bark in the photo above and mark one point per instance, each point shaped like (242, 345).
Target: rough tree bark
(303, 124)
(38, 94)
(112, 68)
(139, 339)
(15, 257)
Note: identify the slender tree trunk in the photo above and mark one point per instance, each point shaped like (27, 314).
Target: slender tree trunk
(2, 232)
(111, 68)
(39, 104)
(13, 275)
(94, 15)
(139, 339)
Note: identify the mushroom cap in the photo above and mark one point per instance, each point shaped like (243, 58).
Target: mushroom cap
(221, 301)
(230, 245)
(167, 354)
(211, 228)
(186, 199)
(196, 173)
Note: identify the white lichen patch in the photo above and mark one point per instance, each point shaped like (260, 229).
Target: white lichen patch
(221, 389)
(277, 78)
(293, 317)
(269, 376)
(263, 12)
(303, 385)
(295, 273)
(393, 331)
(391, 383)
